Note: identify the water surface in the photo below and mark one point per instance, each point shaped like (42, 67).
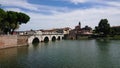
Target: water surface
(63, 54)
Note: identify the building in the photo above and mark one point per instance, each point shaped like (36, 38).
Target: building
(65, 31)
(78, 31)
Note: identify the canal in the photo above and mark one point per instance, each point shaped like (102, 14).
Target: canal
(63, 54)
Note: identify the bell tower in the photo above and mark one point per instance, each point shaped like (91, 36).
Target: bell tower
(80, 25)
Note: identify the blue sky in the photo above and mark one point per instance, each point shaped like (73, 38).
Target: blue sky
(49, 14)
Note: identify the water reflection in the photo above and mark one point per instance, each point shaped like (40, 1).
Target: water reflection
(63, 54)
(104, 56)
(103, 44)
(9, 57)
(35, 45)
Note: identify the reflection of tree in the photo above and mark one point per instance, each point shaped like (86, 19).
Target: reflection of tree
(22, 50)
(103, 57)
(103, 44)
(11, 58)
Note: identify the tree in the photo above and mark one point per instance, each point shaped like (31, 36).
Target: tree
(11, 20)
(23, 18)
(15, 19)
(115, 30)
(103, 27)
(2, 18)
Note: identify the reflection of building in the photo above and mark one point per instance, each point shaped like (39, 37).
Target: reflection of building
(78, 31)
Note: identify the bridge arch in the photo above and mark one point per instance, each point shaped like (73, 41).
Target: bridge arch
(58, 38)
(46, 39)
(36, 40)
(53, 38)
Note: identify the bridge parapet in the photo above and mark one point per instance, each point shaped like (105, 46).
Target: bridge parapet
(47, 33)
(51, 33)
(39, 33)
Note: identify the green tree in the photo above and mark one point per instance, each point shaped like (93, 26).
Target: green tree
(103, 27)
(3, 15)
(11, 20)
(115, 30)
(23, 18)
(15, 19)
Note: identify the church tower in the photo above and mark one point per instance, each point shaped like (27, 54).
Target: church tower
(80, 25)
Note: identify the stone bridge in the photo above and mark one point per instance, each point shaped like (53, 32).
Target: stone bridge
(23, 39)
(44, 37)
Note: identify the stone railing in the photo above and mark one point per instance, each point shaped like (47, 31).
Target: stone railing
(51, 33)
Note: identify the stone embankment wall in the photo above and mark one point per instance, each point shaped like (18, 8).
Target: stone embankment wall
(22, 40)
(7, 41)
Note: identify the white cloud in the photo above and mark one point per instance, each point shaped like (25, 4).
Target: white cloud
(90, 17)
(19, 3)
(109, 2)
(78, 1)
(58, 19)
(117, 4)
(13, 9)
(82, 1)
(33, 7)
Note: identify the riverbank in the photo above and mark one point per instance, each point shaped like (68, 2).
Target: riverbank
(115, 37)
(109, 37)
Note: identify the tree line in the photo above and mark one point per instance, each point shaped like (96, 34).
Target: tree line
(105, 29)
(11, 20)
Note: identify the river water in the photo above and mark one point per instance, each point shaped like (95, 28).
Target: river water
(63, 54)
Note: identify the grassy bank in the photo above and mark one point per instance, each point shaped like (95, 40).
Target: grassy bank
(115, 37)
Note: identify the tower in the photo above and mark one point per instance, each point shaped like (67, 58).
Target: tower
(80, 25)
